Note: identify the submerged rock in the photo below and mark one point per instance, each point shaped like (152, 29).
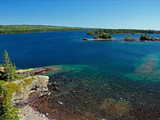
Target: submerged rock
(53, 86)
(115, 108)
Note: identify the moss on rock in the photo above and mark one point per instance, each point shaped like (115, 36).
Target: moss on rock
(11, 88)
(27, 81)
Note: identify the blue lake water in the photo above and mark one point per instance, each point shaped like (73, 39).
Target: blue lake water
(117, 80)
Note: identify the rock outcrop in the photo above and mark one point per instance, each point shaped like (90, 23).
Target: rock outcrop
(37, 71)
(27, 90)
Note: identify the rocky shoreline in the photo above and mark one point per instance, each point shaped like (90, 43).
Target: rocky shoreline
(33, 87)
(36, 71)
(28, 113)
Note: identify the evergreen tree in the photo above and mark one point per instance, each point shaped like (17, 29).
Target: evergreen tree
(6, 65)
(14, 71)
(9, 69)
(7, 111)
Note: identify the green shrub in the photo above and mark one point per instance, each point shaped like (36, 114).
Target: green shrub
(2, 82)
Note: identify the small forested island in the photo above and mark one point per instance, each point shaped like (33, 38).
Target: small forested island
(121, 31)
(12, 29)
(101, 37)
(145, 37)
(19, 88)
(128, 38)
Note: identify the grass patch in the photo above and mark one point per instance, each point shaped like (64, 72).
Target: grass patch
(2, 82)
(11, 87)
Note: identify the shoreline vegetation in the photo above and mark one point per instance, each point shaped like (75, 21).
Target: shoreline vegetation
(13, 29)
(20, 88)
(121, 31)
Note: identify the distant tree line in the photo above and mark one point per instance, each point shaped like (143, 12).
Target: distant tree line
(121, 31)
(10, 29)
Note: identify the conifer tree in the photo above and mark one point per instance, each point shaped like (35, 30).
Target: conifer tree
(6, 65)
(14, 71)
(9, 69)
(7, 110)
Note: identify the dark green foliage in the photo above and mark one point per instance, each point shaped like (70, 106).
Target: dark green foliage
(95, 37)
(103, 36)
(6, 65)
(9, 69)
(7, 112)
(110, 37)
(128, 38)
(144, 37)
(121, 31)
(1, 75)
(9, 29)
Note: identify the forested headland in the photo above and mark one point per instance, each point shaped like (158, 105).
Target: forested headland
(12, 29)
(121, 31)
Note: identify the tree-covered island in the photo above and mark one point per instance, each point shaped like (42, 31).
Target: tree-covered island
(145, 37)
(128, 38)
(101, 37)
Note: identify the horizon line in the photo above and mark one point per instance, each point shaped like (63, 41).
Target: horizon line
(75, 26)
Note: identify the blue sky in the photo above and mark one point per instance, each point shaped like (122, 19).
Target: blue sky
(137, 14)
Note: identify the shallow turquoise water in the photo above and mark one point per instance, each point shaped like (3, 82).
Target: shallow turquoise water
(112, 80)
